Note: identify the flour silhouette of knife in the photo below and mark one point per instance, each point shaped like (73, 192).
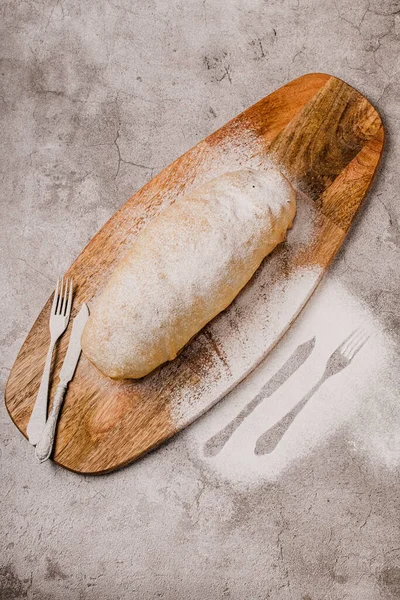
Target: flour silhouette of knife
(294, 362)
(45, 444)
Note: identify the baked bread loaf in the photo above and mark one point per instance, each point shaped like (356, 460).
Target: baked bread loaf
(185, 267)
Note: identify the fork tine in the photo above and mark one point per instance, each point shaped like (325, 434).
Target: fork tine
(64, 301)
(69, 300)
(347, 341)
(54, 305)
(350, 340)
(60, 294)
(355, 341)
(358, 347)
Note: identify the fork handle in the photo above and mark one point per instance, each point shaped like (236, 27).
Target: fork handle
(38, 417)
(45, 445)
(268, 441)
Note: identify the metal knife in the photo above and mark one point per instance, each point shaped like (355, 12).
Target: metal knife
(45, 444)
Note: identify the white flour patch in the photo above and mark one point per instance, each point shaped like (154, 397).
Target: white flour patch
(357, 396)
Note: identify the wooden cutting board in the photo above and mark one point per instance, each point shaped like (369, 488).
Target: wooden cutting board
(328, 139)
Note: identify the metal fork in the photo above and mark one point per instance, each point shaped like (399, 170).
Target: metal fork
(59, 317)
(339, 360)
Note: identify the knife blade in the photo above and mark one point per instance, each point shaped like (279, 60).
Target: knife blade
(74, 347)
(45, 444)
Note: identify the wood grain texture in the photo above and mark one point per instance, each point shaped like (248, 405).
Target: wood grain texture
(328, 139)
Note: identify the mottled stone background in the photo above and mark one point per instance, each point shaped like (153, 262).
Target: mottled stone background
(96, 97)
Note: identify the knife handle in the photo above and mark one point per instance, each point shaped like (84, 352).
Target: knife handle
(45, 444)
(38, 416)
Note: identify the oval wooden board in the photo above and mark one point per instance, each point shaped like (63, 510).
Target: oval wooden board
(328, 139)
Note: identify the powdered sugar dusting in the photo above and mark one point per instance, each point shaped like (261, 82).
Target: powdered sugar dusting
(237, 340)
(184, 268)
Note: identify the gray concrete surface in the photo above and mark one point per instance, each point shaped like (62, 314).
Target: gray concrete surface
(96, 97)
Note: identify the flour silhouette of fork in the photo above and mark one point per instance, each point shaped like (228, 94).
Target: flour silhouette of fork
(339, 360)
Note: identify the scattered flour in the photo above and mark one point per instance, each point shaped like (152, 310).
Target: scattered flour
(362, 397)
(359, 397)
